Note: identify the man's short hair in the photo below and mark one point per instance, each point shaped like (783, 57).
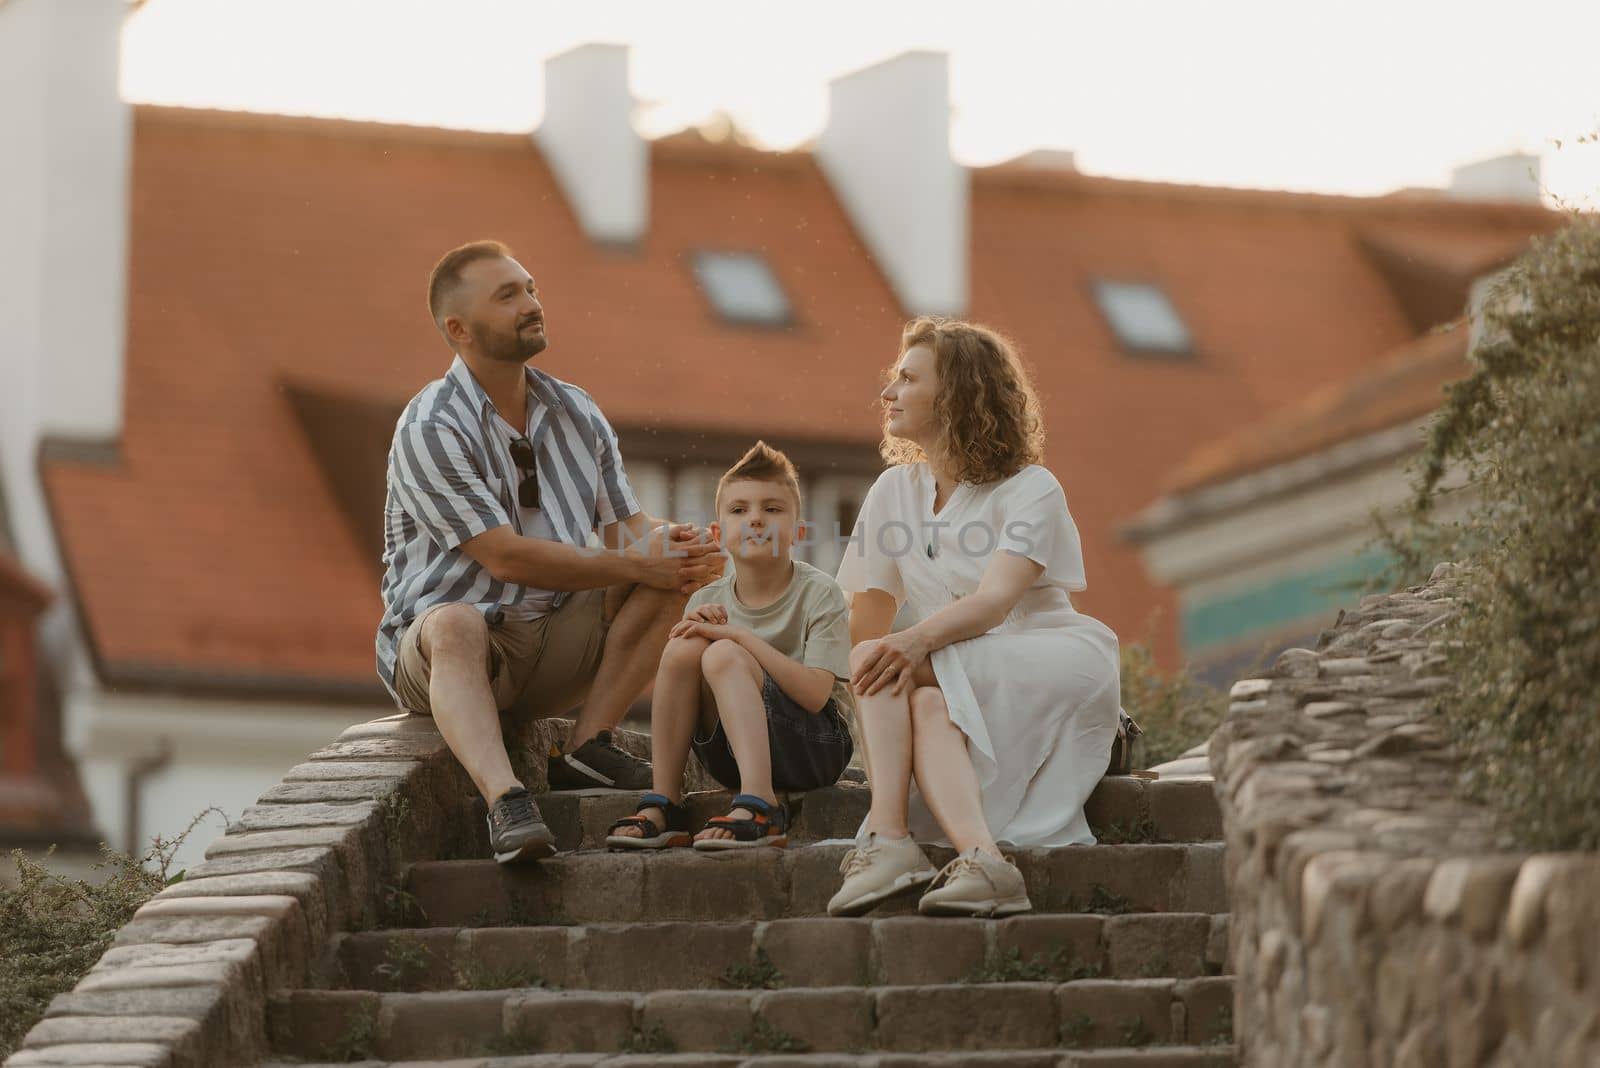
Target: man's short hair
(762, 463)
(446, 276)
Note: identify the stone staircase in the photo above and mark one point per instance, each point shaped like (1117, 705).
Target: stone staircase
(594, 957)
(347, 918)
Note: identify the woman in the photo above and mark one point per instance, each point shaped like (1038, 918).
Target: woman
(1000, 700)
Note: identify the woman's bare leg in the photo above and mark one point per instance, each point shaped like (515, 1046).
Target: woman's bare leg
(885, 723)
(944, 772)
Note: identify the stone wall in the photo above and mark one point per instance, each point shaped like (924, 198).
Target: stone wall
(1378, 918)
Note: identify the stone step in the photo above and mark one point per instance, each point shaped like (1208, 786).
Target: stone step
(820, 951)
(1122, 809)
(1210, 1056)
(769, 883)
(1085, 1013)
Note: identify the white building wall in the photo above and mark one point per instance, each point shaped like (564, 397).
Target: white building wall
(222, 752)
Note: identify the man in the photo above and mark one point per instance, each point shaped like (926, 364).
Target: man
(493, 600)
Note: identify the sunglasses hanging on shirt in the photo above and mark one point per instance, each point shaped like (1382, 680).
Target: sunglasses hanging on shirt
(528, 488)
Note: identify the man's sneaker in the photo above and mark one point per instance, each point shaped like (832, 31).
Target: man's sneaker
(977, 883)
(516, 833)
(877, 869)
(599, 762)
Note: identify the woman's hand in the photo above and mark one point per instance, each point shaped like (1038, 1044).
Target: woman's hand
(892, 664)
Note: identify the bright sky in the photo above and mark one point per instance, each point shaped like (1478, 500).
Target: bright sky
(1355, 97)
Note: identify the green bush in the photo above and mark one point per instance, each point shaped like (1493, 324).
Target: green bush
(1177, 712)
(53, 929)
(1524, 646)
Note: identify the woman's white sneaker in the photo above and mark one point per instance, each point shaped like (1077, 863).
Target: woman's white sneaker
(977, 883)
(877, 869)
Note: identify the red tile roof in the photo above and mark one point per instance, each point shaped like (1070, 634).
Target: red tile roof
(1408, 384)
(271, 255)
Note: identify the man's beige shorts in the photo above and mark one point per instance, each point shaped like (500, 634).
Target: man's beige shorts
(539, 667)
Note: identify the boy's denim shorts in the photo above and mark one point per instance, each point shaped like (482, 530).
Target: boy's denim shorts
(808, 749)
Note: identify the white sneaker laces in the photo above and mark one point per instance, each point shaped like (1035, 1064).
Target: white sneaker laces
(961, 866)
(855, 861)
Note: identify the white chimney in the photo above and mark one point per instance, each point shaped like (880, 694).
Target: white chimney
(64, 214)
(1513, 177)
(63, 245)
(886, 149)
(599, 159)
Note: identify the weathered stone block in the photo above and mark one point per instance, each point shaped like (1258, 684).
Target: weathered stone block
(989, 1017)
(1099, 1012)
(1068, 946)
(440, 1024)
(1158, 945)
(564, 1021)
(97, 1055)
(698, 1019)
(666, 956)
(819, 951)
(824, 1020)
(552, 955)
(921, 950)
(736, 885)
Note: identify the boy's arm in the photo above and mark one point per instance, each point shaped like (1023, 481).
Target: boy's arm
(808, 687)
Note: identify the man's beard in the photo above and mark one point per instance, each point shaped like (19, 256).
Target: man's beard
(515, 347)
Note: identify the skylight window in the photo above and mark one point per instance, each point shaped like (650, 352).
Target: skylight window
(1142, 317)
(742, 287)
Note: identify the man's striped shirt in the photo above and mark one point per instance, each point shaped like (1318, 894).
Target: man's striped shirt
(451, 477)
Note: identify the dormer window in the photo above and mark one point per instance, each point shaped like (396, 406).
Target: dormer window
(742, 288)
(1142, 317)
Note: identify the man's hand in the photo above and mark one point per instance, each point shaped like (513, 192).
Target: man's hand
(674, 558)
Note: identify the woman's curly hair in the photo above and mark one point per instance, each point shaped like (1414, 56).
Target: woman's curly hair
(993, 426)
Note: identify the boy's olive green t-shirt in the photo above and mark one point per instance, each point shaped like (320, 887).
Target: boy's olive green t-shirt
(809, 623)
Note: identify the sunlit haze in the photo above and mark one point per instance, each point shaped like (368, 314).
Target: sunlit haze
(1346, 98)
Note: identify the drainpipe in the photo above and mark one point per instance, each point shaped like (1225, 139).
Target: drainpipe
(138, 772)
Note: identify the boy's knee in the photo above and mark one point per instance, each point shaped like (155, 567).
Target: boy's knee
(683, 654)
(724, 654)
(454, 630)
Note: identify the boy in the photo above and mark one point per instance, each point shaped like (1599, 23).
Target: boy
(760, 663)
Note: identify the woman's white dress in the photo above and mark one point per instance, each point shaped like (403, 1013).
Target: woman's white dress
(1039, 695)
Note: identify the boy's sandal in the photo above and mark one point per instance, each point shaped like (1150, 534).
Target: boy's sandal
(768, 825)
(674, 834)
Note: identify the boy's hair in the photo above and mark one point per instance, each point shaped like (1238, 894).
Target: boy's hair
(762, 463)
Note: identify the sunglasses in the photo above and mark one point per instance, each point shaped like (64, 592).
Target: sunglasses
(528, 488)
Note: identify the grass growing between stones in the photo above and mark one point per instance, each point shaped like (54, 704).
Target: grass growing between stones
(1075, 1032)
(355, 1044)
(761, 975)
(1221, 1027)
(513, 1044)
(1106, 903)
(475, 976)
(403, 960)
(53, 929)
(1053, 966)
(652, 1039)
(765, 1038)
(1137, 1034)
